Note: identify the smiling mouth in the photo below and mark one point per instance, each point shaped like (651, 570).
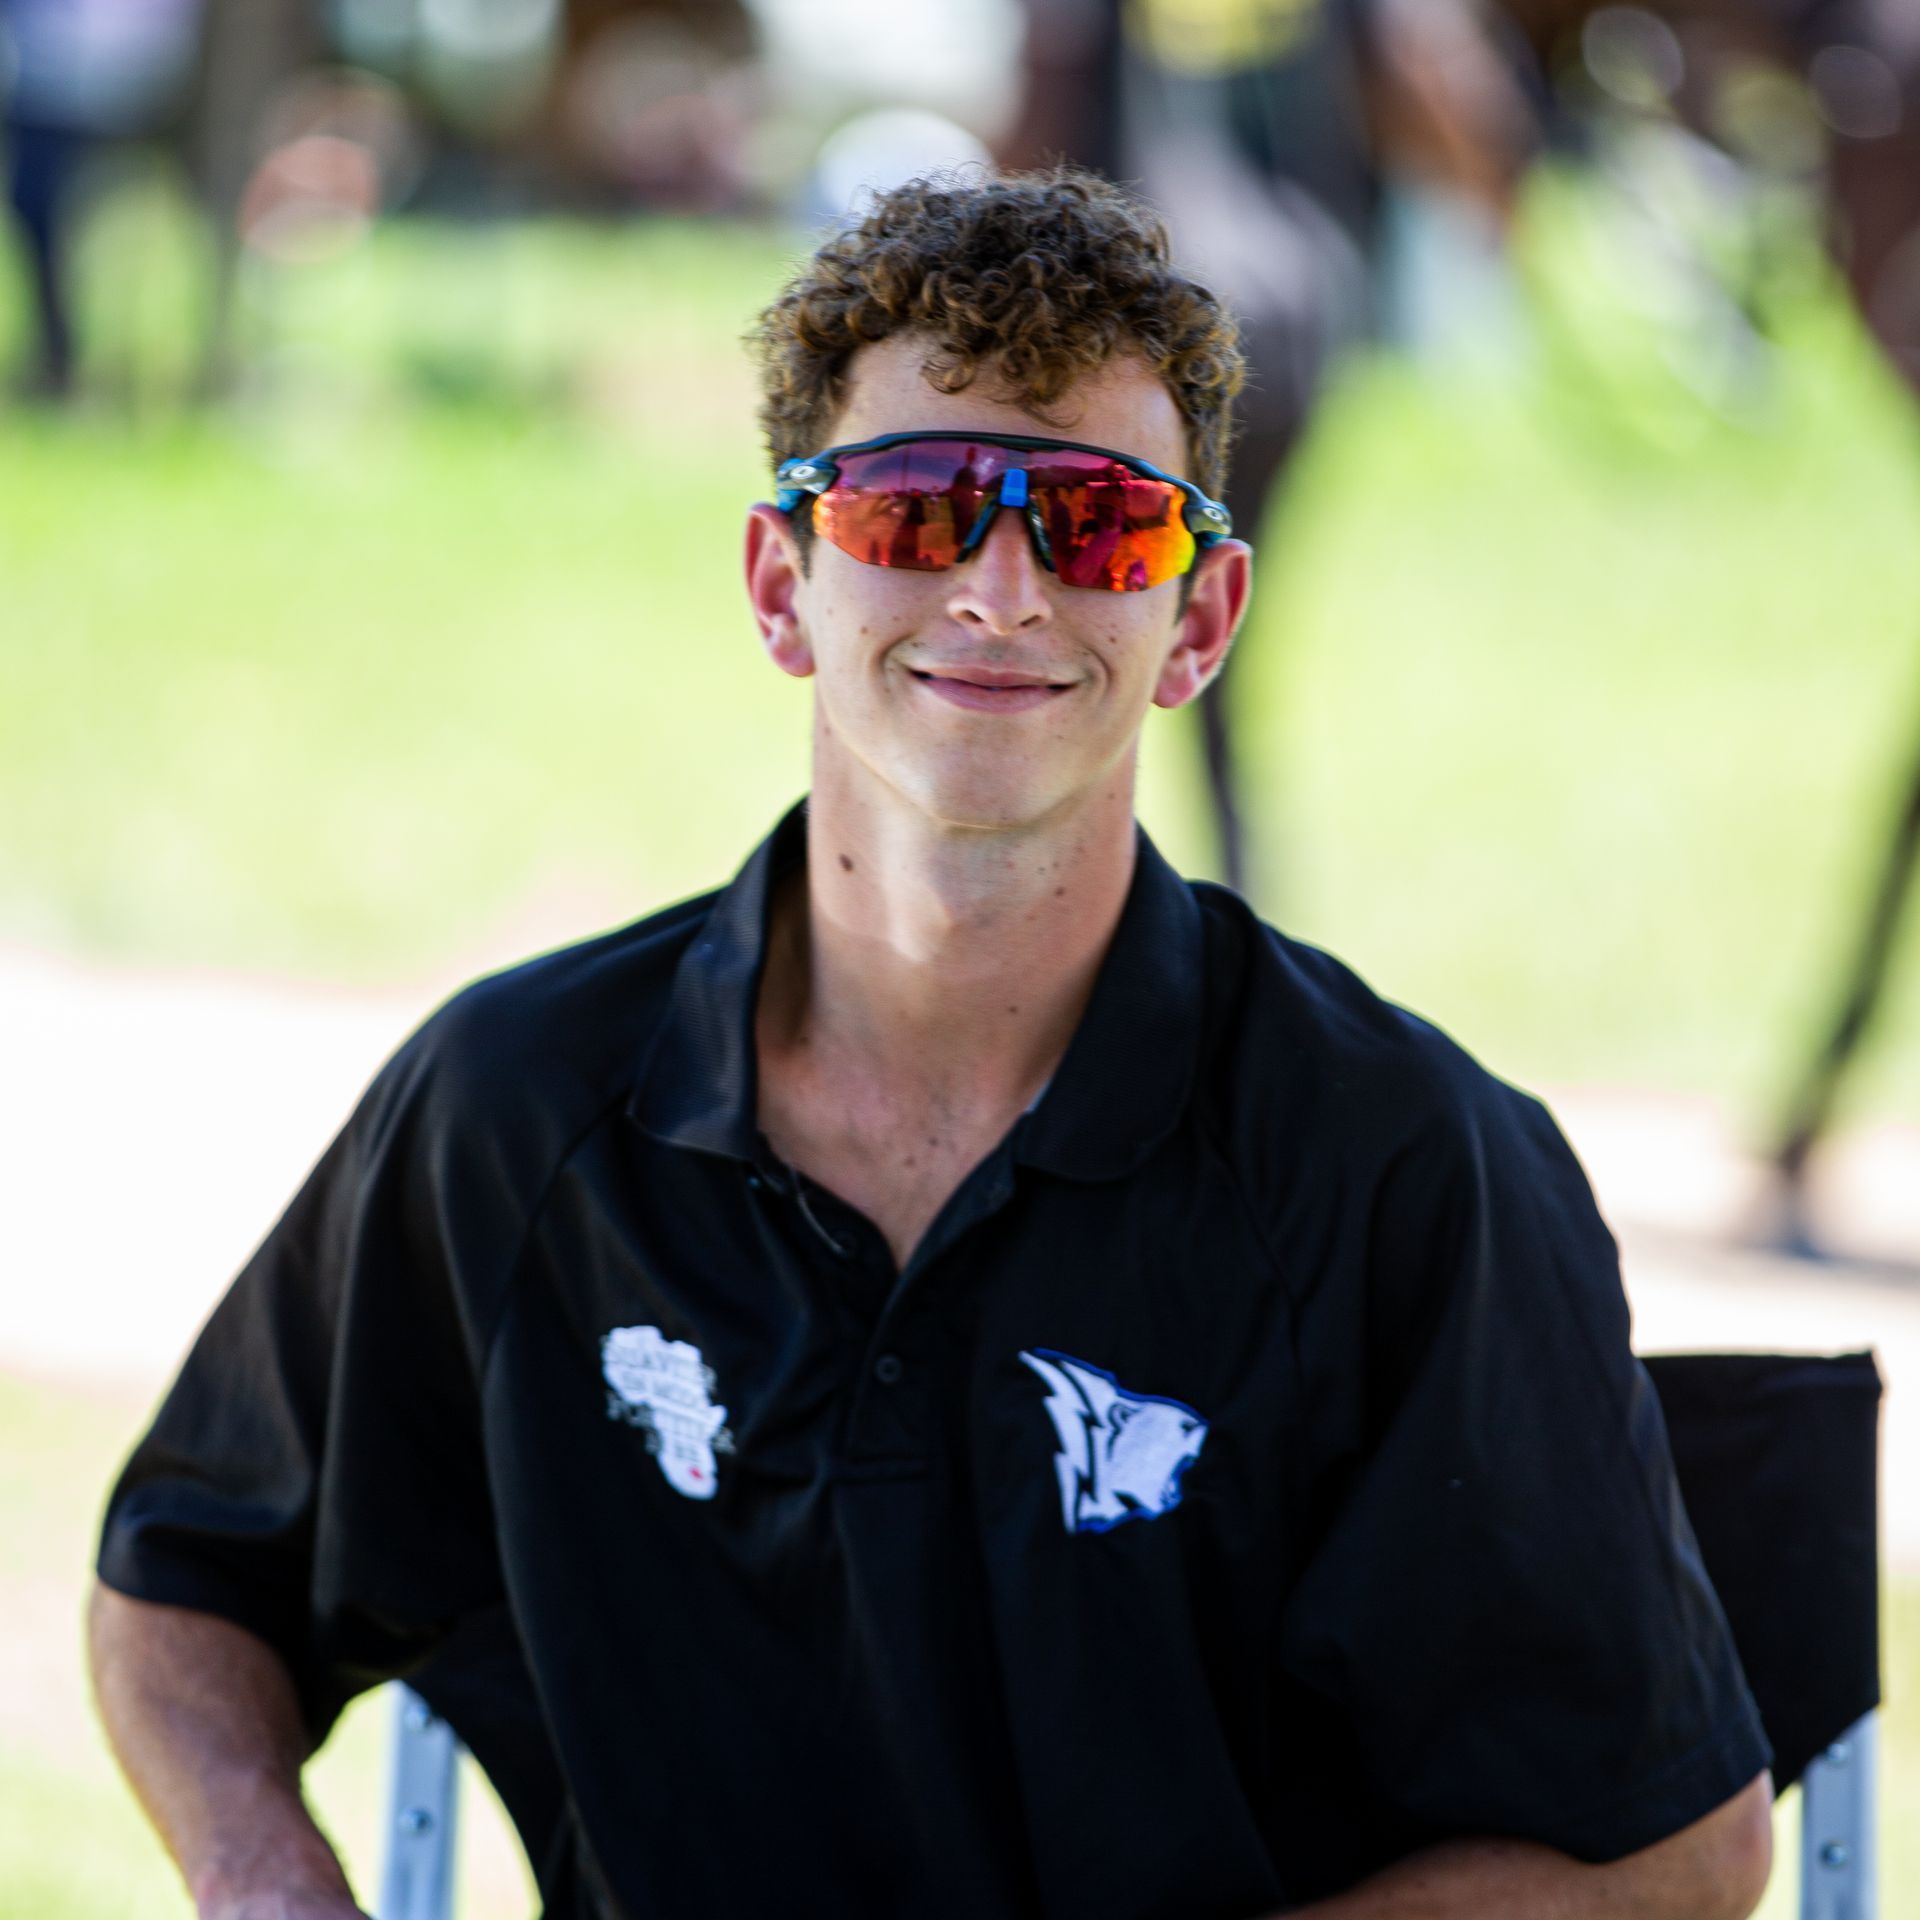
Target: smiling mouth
(990, 689)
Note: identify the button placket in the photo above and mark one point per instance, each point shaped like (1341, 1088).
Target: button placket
(892, 1414)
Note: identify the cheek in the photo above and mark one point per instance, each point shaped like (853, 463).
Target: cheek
(1131, 649)
(859, 622)
(849, 583)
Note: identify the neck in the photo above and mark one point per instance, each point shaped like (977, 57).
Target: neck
(954, 960)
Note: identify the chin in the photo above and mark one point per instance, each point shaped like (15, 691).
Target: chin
(970, 802)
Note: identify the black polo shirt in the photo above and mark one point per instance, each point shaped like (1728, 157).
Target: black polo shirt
(1246, 1482)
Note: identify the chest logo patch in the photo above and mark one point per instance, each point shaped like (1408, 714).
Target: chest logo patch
(1122, 1455)
(665, 1389)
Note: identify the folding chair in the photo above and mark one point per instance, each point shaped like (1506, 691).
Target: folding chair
(1778, 1462)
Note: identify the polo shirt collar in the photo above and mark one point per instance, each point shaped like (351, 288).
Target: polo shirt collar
(699, 1086)
(1128, 1071)
(1119, 1090)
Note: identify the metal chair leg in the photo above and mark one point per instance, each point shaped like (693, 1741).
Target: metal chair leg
(417, 1882)
(1837, 1861)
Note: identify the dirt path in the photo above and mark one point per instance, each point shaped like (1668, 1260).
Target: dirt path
(153, 1125)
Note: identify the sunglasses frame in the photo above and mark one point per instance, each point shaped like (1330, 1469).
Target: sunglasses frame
(815, 473)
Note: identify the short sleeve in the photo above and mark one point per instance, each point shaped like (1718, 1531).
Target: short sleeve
(1507, 1611)
(316, 1472)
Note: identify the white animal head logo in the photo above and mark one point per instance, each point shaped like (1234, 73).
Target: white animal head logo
(663, 1387)
(1121, 1454)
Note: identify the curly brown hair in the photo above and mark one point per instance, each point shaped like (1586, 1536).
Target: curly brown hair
(1040, 277)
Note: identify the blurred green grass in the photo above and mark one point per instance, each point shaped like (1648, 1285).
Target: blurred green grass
(74, 1846)
(73, 1843)
(1579, 737)
(1580, 740)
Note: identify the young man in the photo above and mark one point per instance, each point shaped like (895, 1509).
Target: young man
(984, 1380)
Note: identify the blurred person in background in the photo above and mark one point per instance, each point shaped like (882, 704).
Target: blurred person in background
(75, 74)
(1244, 123)
(1272, 134)
(283, 116)
(656, 100)
(978, 1377)
(252, 55)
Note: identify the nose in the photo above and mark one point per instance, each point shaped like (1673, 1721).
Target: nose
(1002, 588)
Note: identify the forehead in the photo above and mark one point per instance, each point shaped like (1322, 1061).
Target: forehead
(1124, 405)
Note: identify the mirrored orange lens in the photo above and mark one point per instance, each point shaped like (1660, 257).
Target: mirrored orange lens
(1111, 527)
(909, 506)
(915, 505)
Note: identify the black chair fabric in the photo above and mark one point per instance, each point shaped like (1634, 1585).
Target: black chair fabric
(1778, 1461)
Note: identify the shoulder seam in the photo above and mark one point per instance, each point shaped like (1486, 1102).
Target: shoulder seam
(511, 1278)
(1623, 1398)
(1206, 1121)
(1295, 1463)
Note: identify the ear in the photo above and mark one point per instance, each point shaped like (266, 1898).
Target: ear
(1222, 579)
(773, 585)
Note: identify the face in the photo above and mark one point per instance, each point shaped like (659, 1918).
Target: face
(990, 696)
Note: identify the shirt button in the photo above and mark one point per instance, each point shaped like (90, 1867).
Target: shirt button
(888, 1369)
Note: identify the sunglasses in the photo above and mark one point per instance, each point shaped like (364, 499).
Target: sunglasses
(926, 500)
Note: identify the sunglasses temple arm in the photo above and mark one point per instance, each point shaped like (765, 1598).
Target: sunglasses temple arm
(795, 479)
(1208, 519)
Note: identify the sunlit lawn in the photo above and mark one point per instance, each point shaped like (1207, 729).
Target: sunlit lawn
(73, 1845)
(1581, 744)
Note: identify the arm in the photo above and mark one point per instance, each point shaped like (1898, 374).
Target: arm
(203, 1719)
(1715, 1869)
(1507, 1623)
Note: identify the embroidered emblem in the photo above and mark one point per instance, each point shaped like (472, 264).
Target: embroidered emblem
(1121, 1454)
(664, 1388)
